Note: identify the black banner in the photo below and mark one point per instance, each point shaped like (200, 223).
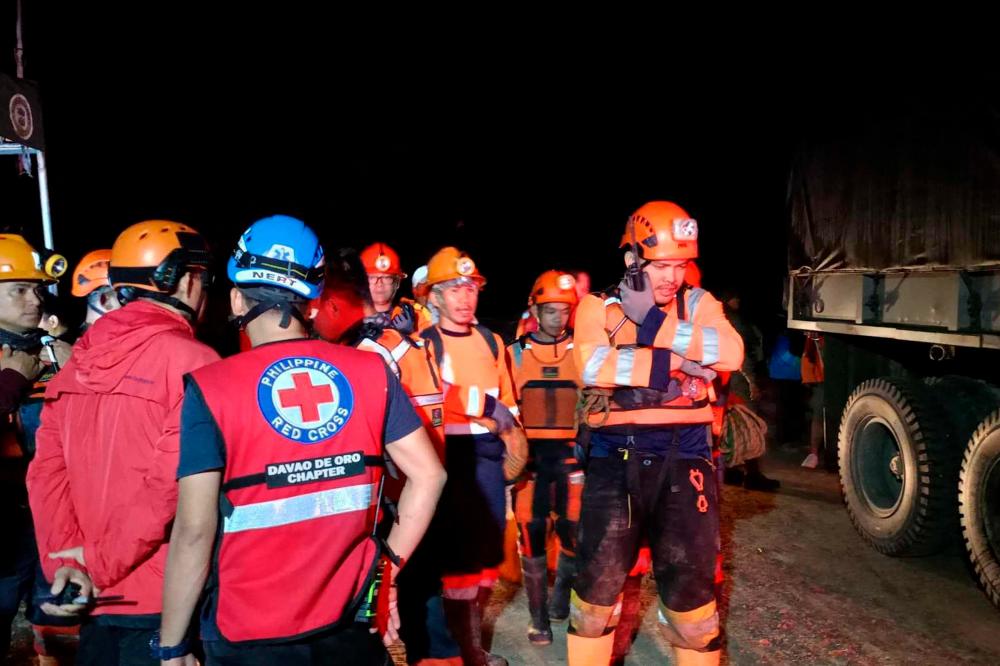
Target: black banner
(21, 112)
(898, 186)
(311, 470)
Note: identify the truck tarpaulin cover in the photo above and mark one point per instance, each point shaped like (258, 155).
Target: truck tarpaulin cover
(21, 112)
(902, 187)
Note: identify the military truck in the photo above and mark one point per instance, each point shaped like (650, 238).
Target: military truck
(894, 259)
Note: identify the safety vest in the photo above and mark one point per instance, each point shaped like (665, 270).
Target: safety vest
(424, 318)
(302, 422)
(410, 360)
(471, 368)
(547, 386)
(684, 402)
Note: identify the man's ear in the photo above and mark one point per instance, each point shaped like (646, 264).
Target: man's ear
(237, 305)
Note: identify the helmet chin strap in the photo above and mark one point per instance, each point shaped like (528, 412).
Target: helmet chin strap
(185, 309)
(287, 309)
(21, 341)
(128, 294)
(101, 295)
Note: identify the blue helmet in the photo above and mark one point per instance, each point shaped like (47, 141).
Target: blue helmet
(279, 252)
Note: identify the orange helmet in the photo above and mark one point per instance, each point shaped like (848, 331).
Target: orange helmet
(662, 230)
(153, 255)
(554, 287)
(450, 263)
(91, 273)
(20, 261)
(382, 259)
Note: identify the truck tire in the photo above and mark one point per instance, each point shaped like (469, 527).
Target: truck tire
(965, 401)
(898, 471)
(979, 504)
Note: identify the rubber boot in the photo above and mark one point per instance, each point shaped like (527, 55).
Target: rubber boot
(755, 479)
(466, 623)
(629, 621)
(685, 657)
(535, 579)
(565, 577)
(582, 651)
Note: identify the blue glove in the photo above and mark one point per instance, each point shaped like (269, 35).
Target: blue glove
(405, 321)
(498, 411)
(637, 304)
(698, 370)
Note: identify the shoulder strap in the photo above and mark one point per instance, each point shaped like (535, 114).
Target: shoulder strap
(433, 335)
(490, 340)
(682, 302)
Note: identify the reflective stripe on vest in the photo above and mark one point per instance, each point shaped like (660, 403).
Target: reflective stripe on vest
(300, 508)
(427, 400)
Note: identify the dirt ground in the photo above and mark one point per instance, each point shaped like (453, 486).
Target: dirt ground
(801, 588)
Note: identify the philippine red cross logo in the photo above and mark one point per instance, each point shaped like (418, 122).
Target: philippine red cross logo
(306, 396)
(305, 399)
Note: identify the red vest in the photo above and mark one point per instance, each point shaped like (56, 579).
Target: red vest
(302, 423)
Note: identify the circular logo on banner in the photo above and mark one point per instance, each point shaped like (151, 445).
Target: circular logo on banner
(305, 399)
(20, 117)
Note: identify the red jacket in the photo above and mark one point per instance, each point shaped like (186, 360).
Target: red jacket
(104, 475)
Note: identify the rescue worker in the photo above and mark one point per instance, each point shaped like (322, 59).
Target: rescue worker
(745, 432)
(103, 481)
(384, 275)
(281, 459)
(546, 384)
(484, 446)
(647, 356)
(813, 373)
(414, 309)
(342, 308)
(528, 323)
(420, 288)
(90, 281)
(24, 369)
(629, 618)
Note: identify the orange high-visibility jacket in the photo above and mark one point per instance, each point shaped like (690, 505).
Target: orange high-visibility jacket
(470, 371)
(410, 361)
(608, 355)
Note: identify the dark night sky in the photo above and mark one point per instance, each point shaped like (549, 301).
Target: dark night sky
(216, 122)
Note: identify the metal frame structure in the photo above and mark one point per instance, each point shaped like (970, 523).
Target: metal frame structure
(952, 306)
(16, 149)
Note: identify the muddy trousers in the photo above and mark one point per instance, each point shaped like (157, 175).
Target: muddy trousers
(548, 495)
(472, 511)
(547, 498)
(671, 501)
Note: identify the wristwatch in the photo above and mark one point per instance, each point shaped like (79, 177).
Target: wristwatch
(171, 652)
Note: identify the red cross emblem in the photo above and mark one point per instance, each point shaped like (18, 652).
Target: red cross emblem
(306, 396)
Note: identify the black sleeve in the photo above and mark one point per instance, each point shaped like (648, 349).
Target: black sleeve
(202, 446)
